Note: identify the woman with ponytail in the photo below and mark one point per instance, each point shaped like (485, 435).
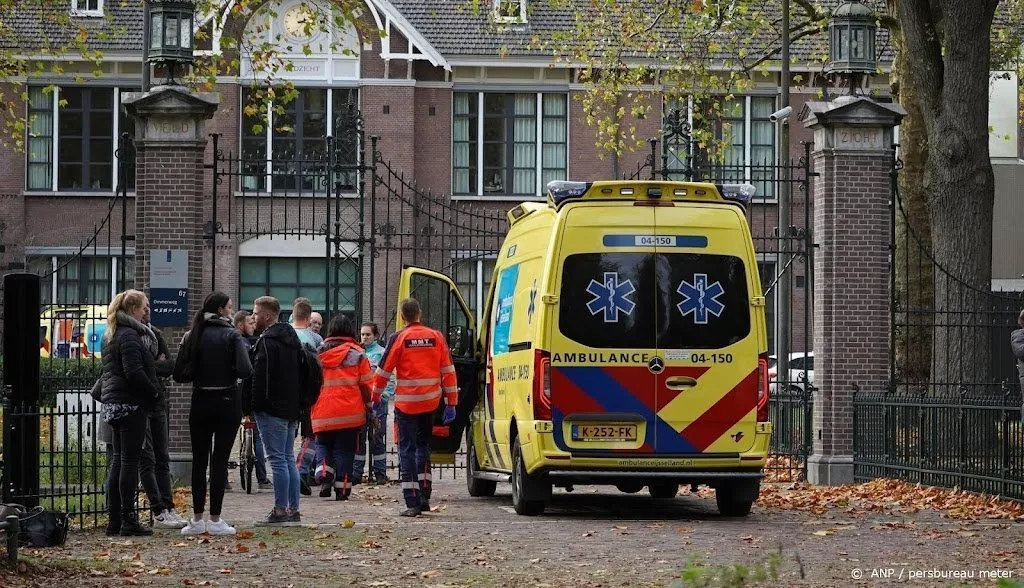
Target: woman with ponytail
(213, 357)
(130, 389)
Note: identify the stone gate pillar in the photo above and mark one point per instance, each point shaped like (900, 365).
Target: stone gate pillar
(853, 138)
(170, 144)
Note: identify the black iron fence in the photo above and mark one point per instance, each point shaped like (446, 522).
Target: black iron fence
(950, 414)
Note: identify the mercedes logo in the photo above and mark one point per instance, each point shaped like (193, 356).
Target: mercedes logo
(656, 365)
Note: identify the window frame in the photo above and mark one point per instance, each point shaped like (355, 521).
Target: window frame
(267, 284)
(501, 17)
(78, 10)
(272, 171)
(119, 122)
(86, 280)
(748, 166)
(477, 114)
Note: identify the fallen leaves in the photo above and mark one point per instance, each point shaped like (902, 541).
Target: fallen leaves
(370, 544)
(241, 548)
(244, 535)
(886, 495)
(348, 524)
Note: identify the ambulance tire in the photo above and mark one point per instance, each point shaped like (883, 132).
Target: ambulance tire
(529, 493)
(477, 488)
(630, 487)
(736, 498)
(663, 489)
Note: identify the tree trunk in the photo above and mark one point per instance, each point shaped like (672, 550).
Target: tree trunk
(914, 295)
(949, 48)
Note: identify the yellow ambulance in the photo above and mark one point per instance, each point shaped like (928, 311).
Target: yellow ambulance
(623, 343)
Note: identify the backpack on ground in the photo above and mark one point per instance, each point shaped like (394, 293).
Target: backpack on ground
(311, 376)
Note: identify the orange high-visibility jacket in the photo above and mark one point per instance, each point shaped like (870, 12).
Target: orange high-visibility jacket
(341, 404)
(419, 357)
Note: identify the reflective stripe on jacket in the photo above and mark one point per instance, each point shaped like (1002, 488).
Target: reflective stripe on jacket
(419, 358)
(341, 404)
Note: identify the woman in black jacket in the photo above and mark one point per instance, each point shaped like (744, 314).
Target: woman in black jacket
(213, 356)
(130, 389)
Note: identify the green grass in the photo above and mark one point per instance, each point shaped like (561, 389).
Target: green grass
(698, 575)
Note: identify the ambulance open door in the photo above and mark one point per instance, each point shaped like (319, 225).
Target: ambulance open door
(445, 310)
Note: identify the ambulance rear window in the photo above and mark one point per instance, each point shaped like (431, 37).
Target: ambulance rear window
(653, 300)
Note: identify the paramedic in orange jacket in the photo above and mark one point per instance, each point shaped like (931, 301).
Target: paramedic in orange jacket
(419, 357)
(341, 409)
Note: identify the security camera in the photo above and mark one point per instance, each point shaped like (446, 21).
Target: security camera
(781, 114)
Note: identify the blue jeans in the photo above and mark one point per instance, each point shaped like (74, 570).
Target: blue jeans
(278, 439)
(261, 456)
(377, 446)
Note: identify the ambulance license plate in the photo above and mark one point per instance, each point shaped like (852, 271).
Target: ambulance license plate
(604, 432)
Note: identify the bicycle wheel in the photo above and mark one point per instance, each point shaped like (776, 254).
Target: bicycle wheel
(249, 461)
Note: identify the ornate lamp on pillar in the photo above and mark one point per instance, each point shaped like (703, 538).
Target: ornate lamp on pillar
(169, 32)
(851, 43)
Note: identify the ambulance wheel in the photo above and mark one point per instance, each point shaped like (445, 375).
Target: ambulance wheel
(630, 487)
(477, 488)
(663, 489)
(735, 498)
(529, 493)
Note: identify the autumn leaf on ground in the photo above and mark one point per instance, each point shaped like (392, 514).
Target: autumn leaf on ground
(240, 548)
(348, 524)
(94, 573)
(370, 544)
(226, 571)
(431, 574)
(620, 527)
(263, 544)
(180, 544)
(276, 533)
(244, 535)
(824, 533)
(188, 582)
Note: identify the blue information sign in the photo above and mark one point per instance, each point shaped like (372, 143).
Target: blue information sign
(168, 292)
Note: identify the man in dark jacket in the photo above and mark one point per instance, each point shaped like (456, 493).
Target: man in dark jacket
(275, 396)
(1017, 343)
(155, 464)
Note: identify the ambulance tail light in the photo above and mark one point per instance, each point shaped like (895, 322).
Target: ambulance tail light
(762, 388)
(542, 385)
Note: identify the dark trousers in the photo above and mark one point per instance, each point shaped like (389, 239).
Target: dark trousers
(155, 465)
(414, 456)
(334, 455)
(213, 423)
(128, 435)
(306, 458)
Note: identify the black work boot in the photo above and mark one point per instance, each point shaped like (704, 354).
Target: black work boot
(130, 526)
(113, 526)
(410, 512)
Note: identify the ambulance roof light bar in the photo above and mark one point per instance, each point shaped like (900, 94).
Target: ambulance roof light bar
(561, 190)
(742, 193)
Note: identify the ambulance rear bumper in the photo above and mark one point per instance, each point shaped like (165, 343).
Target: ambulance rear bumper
(683, 477)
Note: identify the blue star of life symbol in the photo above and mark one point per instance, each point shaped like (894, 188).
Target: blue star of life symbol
(611, 297)
(533, 303)
(700, 299)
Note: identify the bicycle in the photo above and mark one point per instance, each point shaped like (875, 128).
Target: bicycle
(247, 454)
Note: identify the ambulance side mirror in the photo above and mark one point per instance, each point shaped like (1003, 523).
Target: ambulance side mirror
(459, 340)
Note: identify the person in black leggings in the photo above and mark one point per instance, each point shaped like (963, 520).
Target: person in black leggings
(213, 357)
(129, 391)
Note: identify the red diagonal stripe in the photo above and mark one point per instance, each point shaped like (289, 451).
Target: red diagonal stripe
(568, 398)
(723, 414)
(639, 381)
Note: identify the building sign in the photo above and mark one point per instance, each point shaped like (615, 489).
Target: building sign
(168, 287)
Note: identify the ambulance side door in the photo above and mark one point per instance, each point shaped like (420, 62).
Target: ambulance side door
(445, 310)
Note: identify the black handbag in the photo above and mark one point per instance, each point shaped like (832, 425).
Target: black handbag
(38, 527)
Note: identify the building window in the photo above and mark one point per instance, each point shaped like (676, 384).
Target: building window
(508, 144)
(287, 278)
(87, 7)
(473, 277)
(75, 279)
(745, 135)
(510, 11)
(72, 138)
(290, 146)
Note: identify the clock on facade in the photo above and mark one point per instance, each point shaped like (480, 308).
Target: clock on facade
(295, 20)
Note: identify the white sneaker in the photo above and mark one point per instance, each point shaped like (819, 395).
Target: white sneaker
(194, 527)
(169, 520)
(174, 514)
(219, 528)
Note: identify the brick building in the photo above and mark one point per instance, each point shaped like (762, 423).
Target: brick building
(466, 117)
